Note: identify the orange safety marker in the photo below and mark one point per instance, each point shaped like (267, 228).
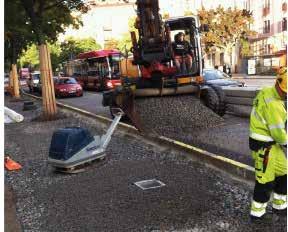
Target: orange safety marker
(11, 165)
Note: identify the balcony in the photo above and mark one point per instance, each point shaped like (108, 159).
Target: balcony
(266, 11)
(284, 6)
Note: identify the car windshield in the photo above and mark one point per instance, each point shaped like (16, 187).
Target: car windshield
(67, 81)
(214, 75)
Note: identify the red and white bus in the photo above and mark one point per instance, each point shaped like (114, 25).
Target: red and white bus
(97, 70)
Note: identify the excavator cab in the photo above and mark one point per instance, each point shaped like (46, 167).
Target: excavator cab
(188, 58)
(157, 51)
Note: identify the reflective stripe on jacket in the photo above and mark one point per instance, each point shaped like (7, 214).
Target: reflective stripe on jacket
(268, 117)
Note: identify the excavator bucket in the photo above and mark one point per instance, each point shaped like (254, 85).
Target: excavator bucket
(124, 99)
(128, 107)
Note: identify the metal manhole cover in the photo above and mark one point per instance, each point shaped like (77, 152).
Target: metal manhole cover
(149, 184)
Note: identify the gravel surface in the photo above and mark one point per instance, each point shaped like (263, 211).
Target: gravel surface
(186, 119)
(11, 223)
(104, 198)
(175, 114)
(229, 140)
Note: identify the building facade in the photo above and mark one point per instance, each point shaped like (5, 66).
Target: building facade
(268, 49)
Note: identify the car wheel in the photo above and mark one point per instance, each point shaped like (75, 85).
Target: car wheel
(221, 97)
(210, 99)
(79, 94)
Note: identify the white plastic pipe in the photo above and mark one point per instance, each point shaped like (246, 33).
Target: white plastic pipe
(13, 115)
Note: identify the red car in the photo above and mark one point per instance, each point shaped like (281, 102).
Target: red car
(67, 86)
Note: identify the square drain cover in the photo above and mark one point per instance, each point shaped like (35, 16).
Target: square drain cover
(149, 184)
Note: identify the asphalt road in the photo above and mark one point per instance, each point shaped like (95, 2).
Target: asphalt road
(90, 101)
(105, 198)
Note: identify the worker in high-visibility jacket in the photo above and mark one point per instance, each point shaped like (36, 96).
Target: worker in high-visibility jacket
(267, 140)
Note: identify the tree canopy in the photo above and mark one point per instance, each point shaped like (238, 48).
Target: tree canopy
(17, 34)
(50, 18)
(37, 21)
(71, 47)
(226, 27)
(60, 52)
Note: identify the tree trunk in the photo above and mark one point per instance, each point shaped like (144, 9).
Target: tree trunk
(16, 92)
(11, 82)
(49, 103)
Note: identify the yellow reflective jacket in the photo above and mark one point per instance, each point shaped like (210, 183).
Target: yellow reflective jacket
(268, 117)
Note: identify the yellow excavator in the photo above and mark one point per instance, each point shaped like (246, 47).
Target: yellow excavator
(157, 70)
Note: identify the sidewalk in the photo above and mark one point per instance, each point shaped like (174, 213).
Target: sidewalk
(245, 76)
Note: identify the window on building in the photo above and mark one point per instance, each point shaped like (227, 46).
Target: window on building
(256, 51)
(266, 28)
(267, 3)
(267, 49)
(213, 59)
(261, 47)
(284, 5)
(247, 5)
(253, 48)
(221, 59)
(284, 24)
(209, 59)
(270, 48)
(266, 7)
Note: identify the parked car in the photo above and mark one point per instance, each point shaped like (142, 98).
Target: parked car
(24, 73)
(67, 86)
(33, 80)
(217, 77)
(38, 85)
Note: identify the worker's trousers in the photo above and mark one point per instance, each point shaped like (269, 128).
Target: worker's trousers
(271, 175)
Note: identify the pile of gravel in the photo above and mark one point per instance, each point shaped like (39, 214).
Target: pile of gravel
(174, 114)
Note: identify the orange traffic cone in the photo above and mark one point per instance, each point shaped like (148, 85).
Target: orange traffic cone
(11, 165)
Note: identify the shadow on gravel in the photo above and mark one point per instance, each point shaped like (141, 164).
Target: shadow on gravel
(42, 118)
